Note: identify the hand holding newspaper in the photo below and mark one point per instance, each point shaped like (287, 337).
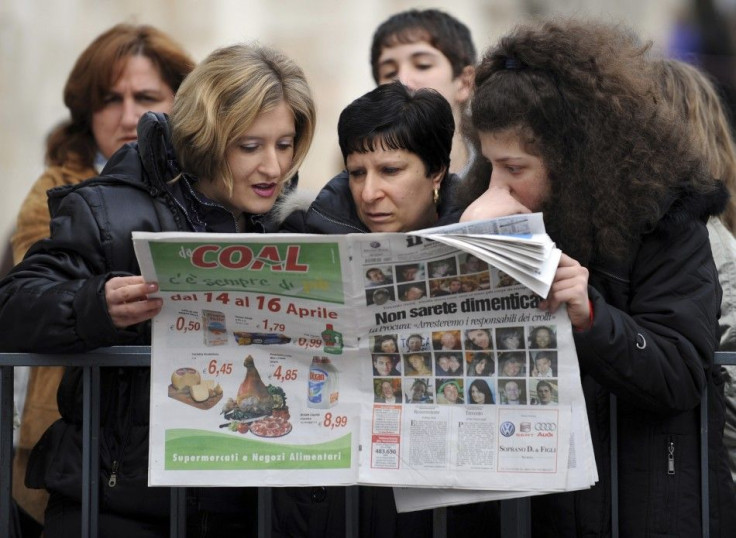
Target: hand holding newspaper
(415, 360)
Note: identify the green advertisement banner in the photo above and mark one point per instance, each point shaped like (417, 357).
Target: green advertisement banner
(304, 270)
(198, 450)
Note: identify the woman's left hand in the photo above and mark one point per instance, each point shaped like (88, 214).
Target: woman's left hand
(570, 286)
(128, 302)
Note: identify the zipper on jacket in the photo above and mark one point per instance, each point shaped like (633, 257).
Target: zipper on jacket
(670, 457)
(113, 481)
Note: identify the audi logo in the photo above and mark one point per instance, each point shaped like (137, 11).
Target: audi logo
(545, 426)
(507, 429)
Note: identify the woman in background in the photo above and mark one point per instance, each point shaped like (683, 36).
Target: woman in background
(696, 100)
(123, 73)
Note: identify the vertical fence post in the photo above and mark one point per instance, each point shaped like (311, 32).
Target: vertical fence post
(6, 446)
(516, 520)
(613, 430)
(90, 450)
(704, 496)
(178, 517)
(264, 512)
(439, 522)
(352, 512)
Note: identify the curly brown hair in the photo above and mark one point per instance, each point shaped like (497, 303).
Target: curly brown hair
(582, 98)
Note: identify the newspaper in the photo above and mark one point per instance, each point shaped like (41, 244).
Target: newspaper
(390, 359)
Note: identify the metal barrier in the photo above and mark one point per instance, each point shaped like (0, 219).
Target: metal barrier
(515, 513)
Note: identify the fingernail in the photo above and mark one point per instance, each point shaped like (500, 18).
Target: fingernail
(151, 287)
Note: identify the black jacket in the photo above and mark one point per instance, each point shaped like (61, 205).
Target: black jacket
(651, 345)
(333, 211)
(54, 301)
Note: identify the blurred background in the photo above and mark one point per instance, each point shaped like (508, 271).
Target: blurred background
(40, 40)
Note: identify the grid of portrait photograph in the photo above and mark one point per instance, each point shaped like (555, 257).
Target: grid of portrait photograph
(450, 275)
(515, 365)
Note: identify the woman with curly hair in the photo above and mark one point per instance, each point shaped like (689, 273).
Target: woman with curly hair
(568, 116)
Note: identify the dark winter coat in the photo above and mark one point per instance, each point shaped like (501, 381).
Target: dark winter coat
(54, 301)
(651, 345)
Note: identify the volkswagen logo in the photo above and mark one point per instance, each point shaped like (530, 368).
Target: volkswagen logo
(545, 426)
(507, 429)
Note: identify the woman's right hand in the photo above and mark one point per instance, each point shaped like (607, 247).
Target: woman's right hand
(128, 302)
(495, 202)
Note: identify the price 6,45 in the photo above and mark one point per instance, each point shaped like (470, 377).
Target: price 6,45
(215, 368)
(337, 421)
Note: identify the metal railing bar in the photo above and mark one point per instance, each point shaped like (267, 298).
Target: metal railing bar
(6, 446)
(178, 522)
(90, 451)
(516, 517)
(515, 513)
(352, 511)
(704, 501)
(439, 522)
(613, 417)
(725, 358)
(264, 512)
(114, 356)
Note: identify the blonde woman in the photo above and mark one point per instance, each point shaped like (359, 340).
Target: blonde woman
(241, 125)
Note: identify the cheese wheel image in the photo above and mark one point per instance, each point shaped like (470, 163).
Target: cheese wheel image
(199, 392)
(185, 377)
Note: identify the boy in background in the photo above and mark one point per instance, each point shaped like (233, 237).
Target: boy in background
(429, 49)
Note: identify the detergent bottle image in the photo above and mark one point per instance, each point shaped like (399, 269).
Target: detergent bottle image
(332, 340)
(323, 384)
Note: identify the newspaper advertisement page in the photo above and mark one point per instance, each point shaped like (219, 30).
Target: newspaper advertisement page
(472, 383)
(254, 372)
(386, 359)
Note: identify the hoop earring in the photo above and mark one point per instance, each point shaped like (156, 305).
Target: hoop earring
(436, 196)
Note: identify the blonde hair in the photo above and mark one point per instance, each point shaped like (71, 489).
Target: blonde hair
(219, 101)
(696, 100)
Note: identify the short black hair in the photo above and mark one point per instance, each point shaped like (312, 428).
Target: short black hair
(393, 117)
(441, 30)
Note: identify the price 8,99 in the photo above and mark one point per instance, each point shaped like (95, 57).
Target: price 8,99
(334, 421)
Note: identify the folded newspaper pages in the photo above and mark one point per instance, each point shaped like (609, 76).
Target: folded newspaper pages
(413, 360)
